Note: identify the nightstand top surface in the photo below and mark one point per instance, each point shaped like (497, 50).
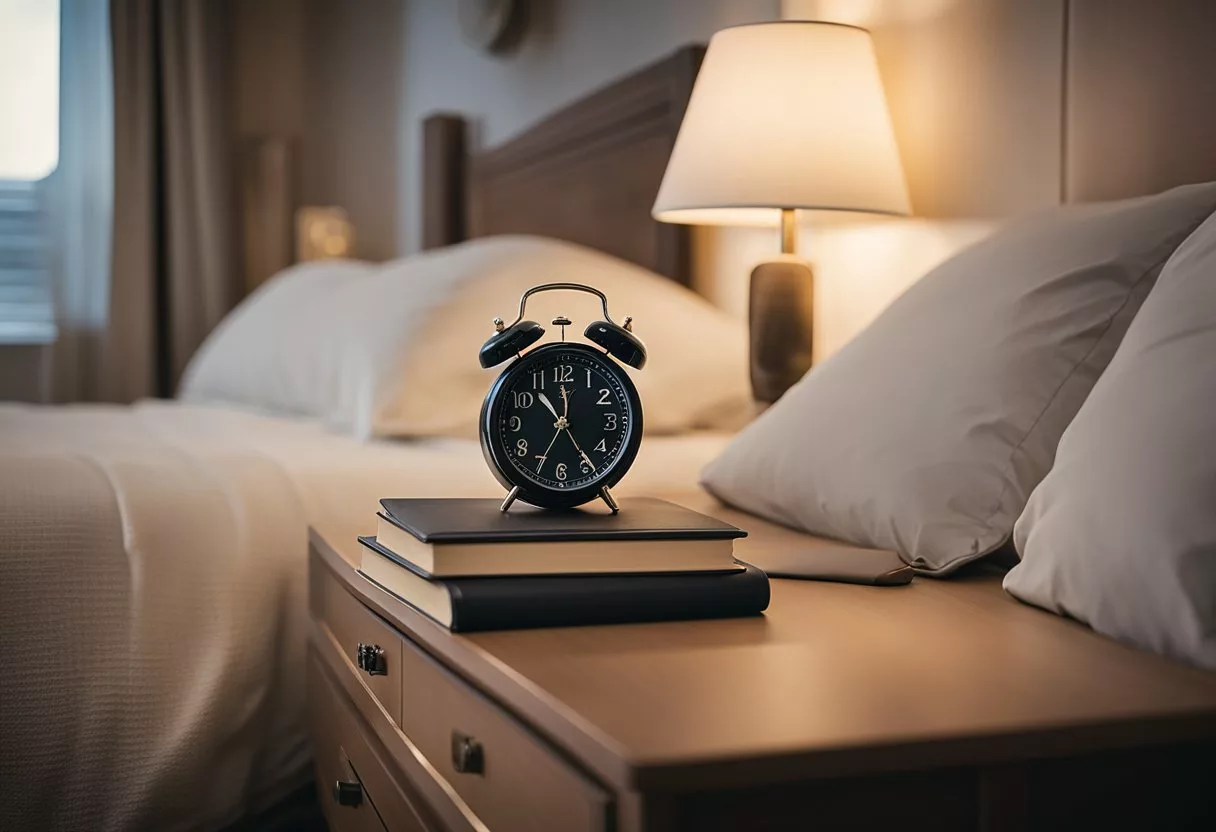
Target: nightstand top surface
(833, 678)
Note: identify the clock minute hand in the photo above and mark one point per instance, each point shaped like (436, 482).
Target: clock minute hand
(586, 458)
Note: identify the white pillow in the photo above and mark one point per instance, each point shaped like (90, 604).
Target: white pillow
(1122, 532)
(395, 352)
(927, 432)
(274, 352)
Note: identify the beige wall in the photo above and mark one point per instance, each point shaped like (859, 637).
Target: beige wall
(975, 94)
(975, 89)
(350, 83)
(860, 267)
(570, 48)
(327, 75)
(353, 81)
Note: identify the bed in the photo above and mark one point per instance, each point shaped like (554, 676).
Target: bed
(154, 597)
(153, 603)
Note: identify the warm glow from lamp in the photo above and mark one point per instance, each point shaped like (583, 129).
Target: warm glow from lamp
(784, 115)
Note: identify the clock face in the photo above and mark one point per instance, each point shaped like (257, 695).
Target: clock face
(561, 423)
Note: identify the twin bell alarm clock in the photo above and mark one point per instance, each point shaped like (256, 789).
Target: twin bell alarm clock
(563, 422)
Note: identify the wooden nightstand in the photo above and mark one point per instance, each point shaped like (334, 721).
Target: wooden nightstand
(404, 743)
(942, 705)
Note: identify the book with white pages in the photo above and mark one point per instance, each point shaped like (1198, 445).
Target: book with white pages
(452, 538)
(783, 552)
(822, 559)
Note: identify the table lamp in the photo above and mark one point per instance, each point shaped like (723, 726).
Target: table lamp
(783, 117)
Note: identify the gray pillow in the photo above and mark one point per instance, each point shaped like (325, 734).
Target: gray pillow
(927, 432)
(1122, 532)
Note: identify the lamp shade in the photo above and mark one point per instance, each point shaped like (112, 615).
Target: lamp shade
(783, 115)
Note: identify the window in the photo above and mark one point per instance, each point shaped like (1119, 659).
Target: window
(29, 153)
(29, 88)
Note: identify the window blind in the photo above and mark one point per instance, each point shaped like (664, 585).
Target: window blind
(26, 315)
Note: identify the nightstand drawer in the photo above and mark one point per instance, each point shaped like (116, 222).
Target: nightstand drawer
(507, 775)
(353, 783)
(348, 805)
(371, 648)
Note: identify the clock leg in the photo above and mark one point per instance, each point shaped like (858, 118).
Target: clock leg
(606, 496)
(506, 504)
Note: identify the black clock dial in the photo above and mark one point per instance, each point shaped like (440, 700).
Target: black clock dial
(562, 422)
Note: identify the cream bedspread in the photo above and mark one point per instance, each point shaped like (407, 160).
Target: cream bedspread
(153, 592)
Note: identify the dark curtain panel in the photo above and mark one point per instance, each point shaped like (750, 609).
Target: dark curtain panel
(175, 253)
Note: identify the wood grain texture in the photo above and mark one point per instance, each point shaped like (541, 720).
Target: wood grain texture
(520, 773)
(350, 624)
(587, 174)
(444, 165)
(340, 704)
(344, 749)
(833, 680)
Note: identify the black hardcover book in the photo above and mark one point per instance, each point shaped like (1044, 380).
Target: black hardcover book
(519, 602)
(456, 538)
(448, 520)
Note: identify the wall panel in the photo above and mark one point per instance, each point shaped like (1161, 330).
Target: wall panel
(1141, 97)
(975, 96)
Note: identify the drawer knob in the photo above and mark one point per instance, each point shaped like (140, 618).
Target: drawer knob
(348, 792)
(370, 657)
(468, 757)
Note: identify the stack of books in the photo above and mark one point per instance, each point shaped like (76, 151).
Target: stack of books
(472, 567)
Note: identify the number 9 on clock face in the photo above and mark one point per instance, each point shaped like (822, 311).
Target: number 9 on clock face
(561, 423)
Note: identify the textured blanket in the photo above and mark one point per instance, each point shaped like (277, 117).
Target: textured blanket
(153, 568)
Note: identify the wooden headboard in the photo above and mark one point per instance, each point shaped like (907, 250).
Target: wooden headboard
(587, 174)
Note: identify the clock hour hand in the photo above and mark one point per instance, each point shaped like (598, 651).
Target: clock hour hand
(545, 401)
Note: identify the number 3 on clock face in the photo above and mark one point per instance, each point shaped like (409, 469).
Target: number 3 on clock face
(561, 423)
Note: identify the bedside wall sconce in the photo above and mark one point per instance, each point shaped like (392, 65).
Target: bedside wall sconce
(784, 117)
(323, 233)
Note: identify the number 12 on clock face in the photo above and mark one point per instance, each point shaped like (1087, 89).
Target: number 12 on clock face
(561, 373)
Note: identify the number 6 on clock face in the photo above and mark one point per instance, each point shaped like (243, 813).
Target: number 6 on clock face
(560, 424)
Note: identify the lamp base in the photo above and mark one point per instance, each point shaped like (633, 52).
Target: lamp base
(780, 313)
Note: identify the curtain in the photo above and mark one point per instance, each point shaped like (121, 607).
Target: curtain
(79, 201)
(175, 254)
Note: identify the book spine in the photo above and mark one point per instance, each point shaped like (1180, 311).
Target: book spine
(634, 600)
